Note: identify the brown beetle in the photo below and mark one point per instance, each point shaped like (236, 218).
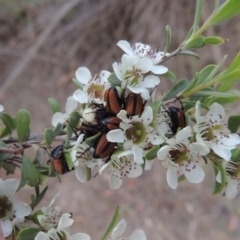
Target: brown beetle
(58, 161)
(113, 101)
(133, 104)
(177, 117)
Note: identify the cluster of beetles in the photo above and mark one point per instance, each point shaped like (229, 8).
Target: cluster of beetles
(105, 119)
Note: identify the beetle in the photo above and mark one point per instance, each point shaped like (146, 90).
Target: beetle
(58, 160)
(177, 117)
(113, 101)
(133, 104)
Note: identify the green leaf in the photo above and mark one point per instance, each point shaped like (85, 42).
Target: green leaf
(188, 53)
(69, 161)
(9, 167)
(112, 224)
(114, 80)
(236, 154)
(72, 123)
(77, 83)
(54, 105)
(191, 84)
(156, 106)
(169, 38)
(49, 136)
(194, 42)
(214, 40)
(22, 183)
(170, 76)
(88, 173)
(224, 12)
(152, 153)
(39, 198)
(204, 73)
(3, 156)
(90, 140)
(23, 123)
(176, 89)
(57, 129)
(198, 12)
(9, 122)
(28, 233)
(229, 94)
(234, 123)
(34, 217)
(181, 178)
(29, 171)
(220, 186)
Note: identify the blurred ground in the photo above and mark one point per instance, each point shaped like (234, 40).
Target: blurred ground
(42, 43)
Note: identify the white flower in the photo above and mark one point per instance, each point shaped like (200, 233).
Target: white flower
(82, 157)
(121, 164)
(1, 108)
(11, 213)
(59, 117)
(51, 215)
(136, 74)
(211, 132)
(233, 179)
(181, 157)
(135, 132)
(141, 50)
(61, 232)
(92, 88)
(138, 234)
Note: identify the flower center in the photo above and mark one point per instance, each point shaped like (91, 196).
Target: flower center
(5, 206)
(136, 132)
(132, 76)
(96, 90)
(180, 154)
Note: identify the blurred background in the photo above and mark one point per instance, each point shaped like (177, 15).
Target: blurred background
(43, 42)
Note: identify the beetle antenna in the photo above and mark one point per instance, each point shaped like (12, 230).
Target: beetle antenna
(73, 129)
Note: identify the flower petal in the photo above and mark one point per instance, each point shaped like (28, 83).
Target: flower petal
(71, 104)
(80, 173)
(115, 136)
(125, 46)
(80, 236)
(65, 221)
(80, 96)
(119, 229)
(138, 234)
(163, 152)
(137, 154)
(135, 172)
(231, 189)
(10, 186)
(221, 151)
(1, 108)
(172, 179)
(184, 134)
(150, 81)
(193, 172)
(83, 75)
(22, 209)
(159, 69)
(115, 182)
(6, 227)
(42, 236)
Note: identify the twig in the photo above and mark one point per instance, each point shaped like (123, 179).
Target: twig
(22, 64)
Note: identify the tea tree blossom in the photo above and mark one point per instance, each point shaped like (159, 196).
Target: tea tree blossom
(180, 156)
(135, 132)
(12, 213)
(136, 74)
(62, 231)
(92, 88)
(59, 117)
(233, 179)
(141, 50)
(118, 231)
(121, 164)
(211, 132)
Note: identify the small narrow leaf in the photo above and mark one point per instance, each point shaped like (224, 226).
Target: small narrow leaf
(3, 156)
(169, 38)
(114, 80)
(57, 129)
(214, 40)
(49, 136)
(195, 42)
(23, 123)
(90, 140)
(29, 171)
(170, 76)
(39, 198)
(234, 123)
(189, 53)
(8, 121)
(69, 161)
(156, 106)
(88, 173)
(220, 186)
(198, 12)
(54, 105)
(28, 233)
(176, 89)
(152, 153)
(112, 224)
